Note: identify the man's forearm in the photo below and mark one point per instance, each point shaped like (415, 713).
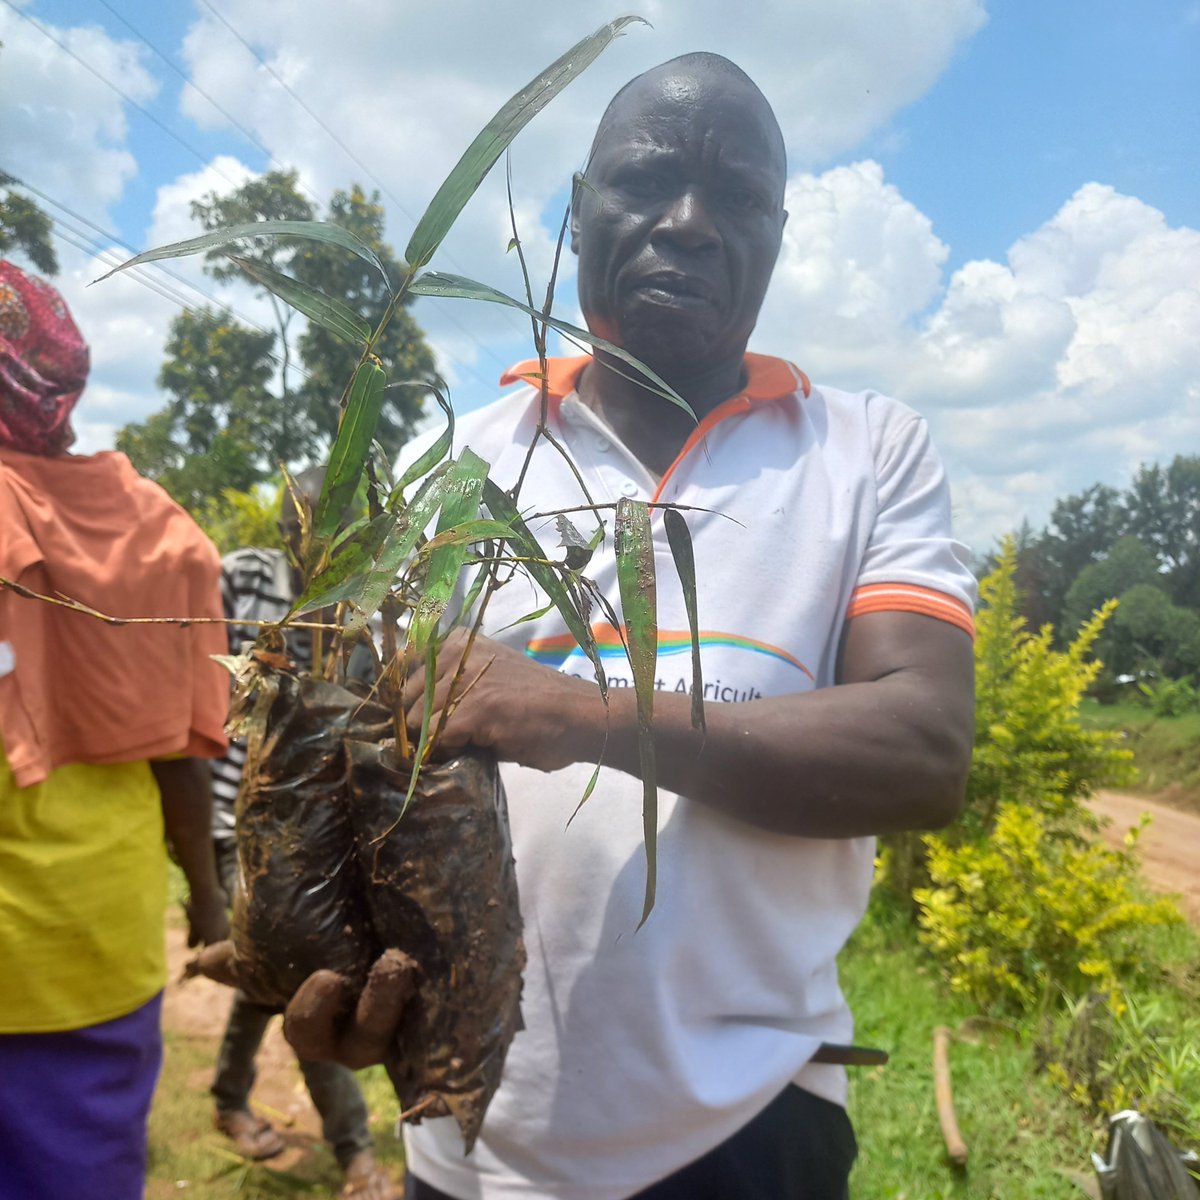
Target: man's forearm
(857, 759)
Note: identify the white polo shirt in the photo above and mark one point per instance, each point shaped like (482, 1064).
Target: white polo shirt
(643, 1050)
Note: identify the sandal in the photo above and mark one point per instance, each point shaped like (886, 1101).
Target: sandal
(367, 1179)
(252, 1136)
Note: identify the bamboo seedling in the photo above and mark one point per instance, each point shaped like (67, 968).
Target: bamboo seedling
(430, 551)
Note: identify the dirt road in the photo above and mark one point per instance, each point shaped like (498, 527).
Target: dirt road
(1170, 846)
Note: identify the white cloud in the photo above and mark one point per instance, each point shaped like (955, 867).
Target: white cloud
(1071, 362)
(858, 263)
(62, 128)
(1068, 361)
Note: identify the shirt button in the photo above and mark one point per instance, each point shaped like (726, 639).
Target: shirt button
(602, 444)
(629, 488)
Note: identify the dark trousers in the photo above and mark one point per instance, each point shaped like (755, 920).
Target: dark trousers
(334, 1089)
(799, 1147)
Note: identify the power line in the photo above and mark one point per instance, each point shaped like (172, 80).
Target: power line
(89, 245)
(351, 155)
(200, 157)
(113, 238)
(119, 91)
(246, 133)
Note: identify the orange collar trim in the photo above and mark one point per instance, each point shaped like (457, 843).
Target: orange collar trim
(767, 378)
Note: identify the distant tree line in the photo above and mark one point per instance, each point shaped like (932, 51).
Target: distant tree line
(1140, 547)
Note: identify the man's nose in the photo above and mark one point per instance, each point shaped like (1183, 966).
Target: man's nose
(688, 223)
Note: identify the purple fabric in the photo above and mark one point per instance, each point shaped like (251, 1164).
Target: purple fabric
(73, 1108)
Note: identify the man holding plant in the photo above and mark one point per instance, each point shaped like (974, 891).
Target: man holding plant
(835, 620)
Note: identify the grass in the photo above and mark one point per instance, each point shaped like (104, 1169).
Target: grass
(1023, 1136)
(1166, 750)
(188, 1158)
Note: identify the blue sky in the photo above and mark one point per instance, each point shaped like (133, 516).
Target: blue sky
(994, 206)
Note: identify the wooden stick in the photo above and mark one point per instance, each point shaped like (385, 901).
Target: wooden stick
(956, 1148)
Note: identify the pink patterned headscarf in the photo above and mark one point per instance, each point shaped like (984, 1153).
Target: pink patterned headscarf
(43, 364)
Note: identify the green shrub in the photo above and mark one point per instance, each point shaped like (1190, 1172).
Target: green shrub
(1171, 697)
(236, 519)
(1029, 914)
(1123, 1052)
(1030, 747)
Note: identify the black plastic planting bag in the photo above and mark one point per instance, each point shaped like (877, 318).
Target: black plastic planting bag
(298, 905)
(1141, 1163)
(443, 889)
(331, 874)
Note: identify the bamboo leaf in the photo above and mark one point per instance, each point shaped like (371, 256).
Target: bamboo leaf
(397, 548)
(439, 449)
(481, 155)
(312, 231)
(460, 503)
(679, 538)
(634, 546)
(352, 561)
(339, 318)
(479, 530)
(456, 287)
(356, 430)
(501, 506)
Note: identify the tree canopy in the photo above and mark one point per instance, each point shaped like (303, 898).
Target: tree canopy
(1140, 547)
(25, 227)
(241, 401)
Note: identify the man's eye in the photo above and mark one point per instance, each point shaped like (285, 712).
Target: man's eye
(743, 200)
(644, 185)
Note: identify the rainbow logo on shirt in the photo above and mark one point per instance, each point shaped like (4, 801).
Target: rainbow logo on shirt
(554, 651)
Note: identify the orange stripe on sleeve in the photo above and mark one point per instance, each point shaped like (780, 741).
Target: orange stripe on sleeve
(911, 597)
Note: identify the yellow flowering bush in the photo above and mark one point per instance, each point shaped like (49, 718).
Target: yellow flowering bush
(1027, 913)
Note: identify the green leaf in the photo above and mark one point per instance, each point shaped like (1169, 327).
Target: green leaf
(312, 231)
(460, 504)
(345, 574)
(634, 546)
(456, 287)
(397, 548)
(679, 538)
(340, 319)
(500, 504)
(440, 448)
(479, 530)
(481, 155)
(349, 455)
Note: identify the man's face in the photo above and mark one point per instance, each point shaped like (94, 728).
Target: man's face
(680, 219)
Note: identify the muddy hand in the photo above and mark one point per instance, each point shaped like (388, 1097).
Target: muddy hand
(215, 962)
(325, 1023)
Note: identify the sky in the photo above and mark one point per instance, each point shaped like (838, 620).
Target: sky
(994, 209)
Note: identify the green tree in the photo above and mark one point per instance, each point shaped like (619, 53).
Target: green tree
(251, 518)
(1150, 635)
(222, 427)
(1128, 564)
(231, 418)
(25, 227)
(1082, 530)
(1163, 506)
(274, 196)
(327, 362)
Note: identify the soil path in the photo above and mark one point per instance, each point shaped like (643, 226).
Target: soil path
(1170, 845)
